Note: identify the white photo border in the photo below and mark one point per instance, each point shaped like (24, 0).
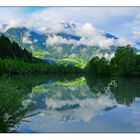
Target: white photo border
(69, 3)
(70, 136)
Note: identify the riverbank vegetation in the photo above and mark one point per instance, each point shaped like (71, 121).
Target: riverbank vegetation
(126, 62)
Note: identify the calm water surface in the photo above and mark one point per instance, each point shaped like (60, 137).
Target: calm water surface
(69, 104)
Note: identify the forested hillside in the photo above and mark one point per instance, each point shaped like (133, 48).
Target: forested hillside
(15, 60)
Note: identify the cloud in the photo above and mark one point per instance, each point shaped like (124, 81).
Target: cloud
(46, 21)
(136, 34)
(108, 18)
(10, 13)
(43, 21)
(134, 25)
(50, 20)
(100, 41)
(90, 36)
(58, 40)
(26, 39)
(86, 30)
(133, 30)
(88, 108)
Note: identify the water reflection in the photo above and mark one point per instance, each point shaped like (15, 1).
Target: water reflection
(124, 90)
(57, 103)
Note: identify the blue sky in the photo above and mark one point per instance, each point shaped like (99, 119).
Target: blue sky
(120, 21)
(30, 10)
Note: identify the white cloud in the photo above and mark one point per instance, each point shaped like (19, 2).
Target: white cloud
(99, 16)
(26, 39)
(86, 30)
(11, 13)
(88, 108)
(46, 21)
(90, 36)
(101, 41)
(42, 21)
(136, 34)
(134, 25)
(49, 21)
(12, 24)
(58, 40)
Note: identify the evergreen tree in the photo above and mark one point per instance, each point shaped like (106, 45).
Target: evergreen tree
(12, 50)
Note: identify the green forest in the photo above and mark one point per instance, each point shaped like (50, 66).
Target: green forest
(17, 60)
(124, 63)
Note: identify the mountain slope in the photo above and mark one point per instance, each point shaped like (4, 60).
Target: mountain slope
(65, 44)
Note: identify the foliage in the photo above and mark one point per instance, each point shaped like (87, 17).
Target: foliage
(15, 60)
(10, 66)
(97, 66)
(12, 50)
(125, 63)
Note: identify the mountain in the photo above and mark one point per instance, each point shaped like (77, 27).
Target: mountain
(66, 46)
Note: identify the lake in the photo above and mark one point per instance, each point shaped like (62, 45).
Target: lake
(69, 103)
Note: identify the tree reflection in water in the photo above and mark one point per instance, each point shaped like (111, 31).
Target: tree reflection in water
(66, 92)
(124, 90)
